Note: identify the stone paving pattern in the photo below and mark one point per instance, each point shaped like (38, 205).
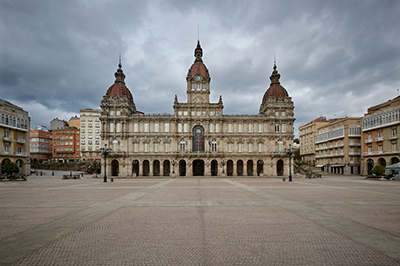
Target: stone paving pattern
(337, 220)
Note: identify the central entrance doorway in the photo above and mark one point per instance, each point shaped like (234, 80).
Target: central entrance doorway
(198, 168)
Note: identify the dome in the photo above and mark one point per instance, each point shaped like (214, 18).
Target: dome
(198, 67)
(119, 88)
(275, 90)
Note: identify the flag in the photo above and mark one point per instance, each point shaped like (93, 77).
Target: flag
(209, 143)
(199, 143)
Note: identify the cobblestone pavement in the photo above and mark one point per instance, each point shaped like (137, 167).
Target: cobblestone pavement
(337, 220)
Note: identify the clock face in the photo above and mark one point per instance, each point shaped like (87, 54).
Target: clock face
(198, 78)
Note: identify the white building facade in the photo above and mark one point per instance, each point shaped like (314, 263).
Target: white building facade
(90, 134)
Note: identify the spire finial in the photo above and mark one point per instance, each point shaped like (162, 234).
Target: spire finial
(198, 52)
(119, 75)
(275, 76)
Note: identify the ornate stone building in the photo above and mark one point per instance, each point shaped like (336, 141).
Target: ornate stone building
(197, 139)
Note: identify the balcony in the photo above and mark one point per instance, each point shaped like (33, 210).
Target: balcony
(7, 139)
(379, 139)
(393, 137)
(372, 153)
(21, 141)
(355, 144)
(368, 141)
(354, 153)
(20, 153)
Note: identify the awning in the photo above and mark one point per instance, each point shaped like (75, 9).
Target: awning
(337, 165)
(320, 165)
(395, 166)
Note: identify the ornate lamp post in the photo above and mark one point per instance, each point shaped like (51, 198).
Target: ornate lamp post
(290, 151)
(105, 151)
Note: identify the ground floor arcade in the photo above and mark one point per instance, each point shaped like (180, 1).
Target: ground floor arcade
(22, 162)
(370, 161)
(197, 166)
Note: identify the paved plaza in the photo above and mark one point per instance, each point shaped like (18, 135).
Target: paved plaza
(336, 220)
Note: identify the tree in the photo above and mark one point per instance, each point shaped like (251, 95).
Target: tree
(378, 170)
(10, 168)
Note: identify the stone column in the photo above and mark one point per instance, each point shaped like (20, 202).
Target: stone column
(140, 170)
(234, 168)
(255, 168)
(245, 168)
(189, 169)
(161, 168)
(207, 168)
(151, 173)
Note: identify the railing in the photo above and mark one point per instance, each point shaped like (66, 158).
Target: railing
(355, 144)
(368, 140)
(379, 139)
(380, 152)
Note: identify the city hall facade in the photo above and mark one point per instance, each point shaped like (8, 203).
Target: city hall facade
(198, 139)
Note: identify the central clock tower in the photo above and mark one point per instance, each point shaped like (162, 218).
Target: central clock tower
(198, 80)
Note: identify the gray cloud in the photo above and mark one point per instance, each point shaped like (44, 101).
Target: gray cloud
(335, 57)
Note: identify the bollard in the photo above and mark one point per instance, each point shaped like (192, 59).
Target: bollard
(283, 179)
(112, 179)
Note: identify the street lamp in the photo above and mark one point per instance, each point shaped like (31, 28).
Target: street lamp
(105, 151)
(173, 166)
(223, 166)
(290, 151)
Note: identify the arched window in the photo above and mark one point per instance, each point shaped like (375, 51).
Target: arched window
(280, 145)
(182, 145)
(198, 139)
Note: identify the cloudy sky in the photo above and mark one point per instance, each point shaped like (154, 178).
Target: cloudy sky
(334, 57)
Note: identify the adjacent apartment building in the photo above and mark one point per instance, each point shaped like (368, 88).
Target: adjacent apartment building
(380, 142)
(90, 134)
(307, 139)
(40, 145)
(14, 136)
(66, 144)
(338, 146)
